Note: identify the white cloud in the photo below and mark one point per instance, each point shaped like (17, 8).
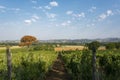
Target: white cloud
(82, 14)
(28, 22)
(43, 8)
(64, 24)
(5, 9)
(34, 1)
(47, 7)
(2, 7)
(75, 15)
(53, 4)
(102, 16)
(34, 18)
(92, 9)
(14, 9)
(56, 25)
(105, 15)
(51, 15)
(90, 25)
(50, 6)
(67, 23)
(69, 12)
(109, 12)
(39, 7)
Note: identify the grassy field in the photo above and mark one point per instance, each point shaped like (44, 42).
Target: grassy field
(13, 47)
(26, 64)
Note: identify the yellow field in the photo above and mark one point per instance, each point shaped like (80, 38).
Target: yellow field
(13, 47)
(68, 48)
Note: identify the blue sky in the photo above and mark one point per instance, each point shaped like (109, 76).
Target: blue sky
(59, 19)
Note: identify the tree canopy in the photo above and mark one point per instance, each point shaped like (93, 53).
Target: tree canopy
(117, 45)
(27, 40)
(113, 45)
(93, 45)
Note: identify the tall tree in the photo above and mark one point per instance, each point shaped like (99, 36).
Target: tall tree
(93, 46)
(27, 40)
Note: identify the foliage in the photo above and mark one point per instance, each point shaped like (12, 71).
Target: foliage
(93, 45)
(110, 46)
(3, 44)
(46, 47)
(79, 64)
(27, 65)
(117, 45)
(27, 40)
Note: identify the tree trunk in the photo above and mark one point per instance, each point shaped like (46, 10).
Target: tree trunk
(9, 64)
(94, 65)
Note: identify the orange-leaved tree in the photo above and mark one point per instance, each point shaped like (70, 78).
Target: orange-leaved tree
(27, 40)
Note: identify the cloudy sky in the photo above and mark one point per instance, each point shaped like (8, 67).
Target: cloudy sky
(59, 19)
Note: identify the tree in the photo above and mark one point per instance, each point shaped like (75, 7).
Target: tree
(93, 46)
(117, 45)
(110, 45)
(27, 40)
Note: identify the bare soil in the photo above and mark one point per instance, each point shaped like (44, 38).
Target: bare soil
(58, 71)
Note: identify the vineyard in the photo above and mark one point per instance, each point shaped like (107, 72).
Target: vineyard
(79, 64)
(35, 63)
(27, 65)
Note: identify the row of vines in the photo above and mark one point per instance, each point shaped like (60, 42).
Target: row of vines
(79, 64)
(27, 65)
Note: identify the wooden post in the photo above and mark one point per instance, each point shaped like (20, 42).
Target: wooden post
(9, 64)
(94, 65)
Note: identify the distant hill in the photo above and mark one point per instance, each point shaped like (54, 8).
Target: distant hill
(105, 40)
(81, 40)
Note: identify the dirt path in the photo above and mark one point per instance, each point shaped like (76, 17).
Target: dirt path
(58, 71)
